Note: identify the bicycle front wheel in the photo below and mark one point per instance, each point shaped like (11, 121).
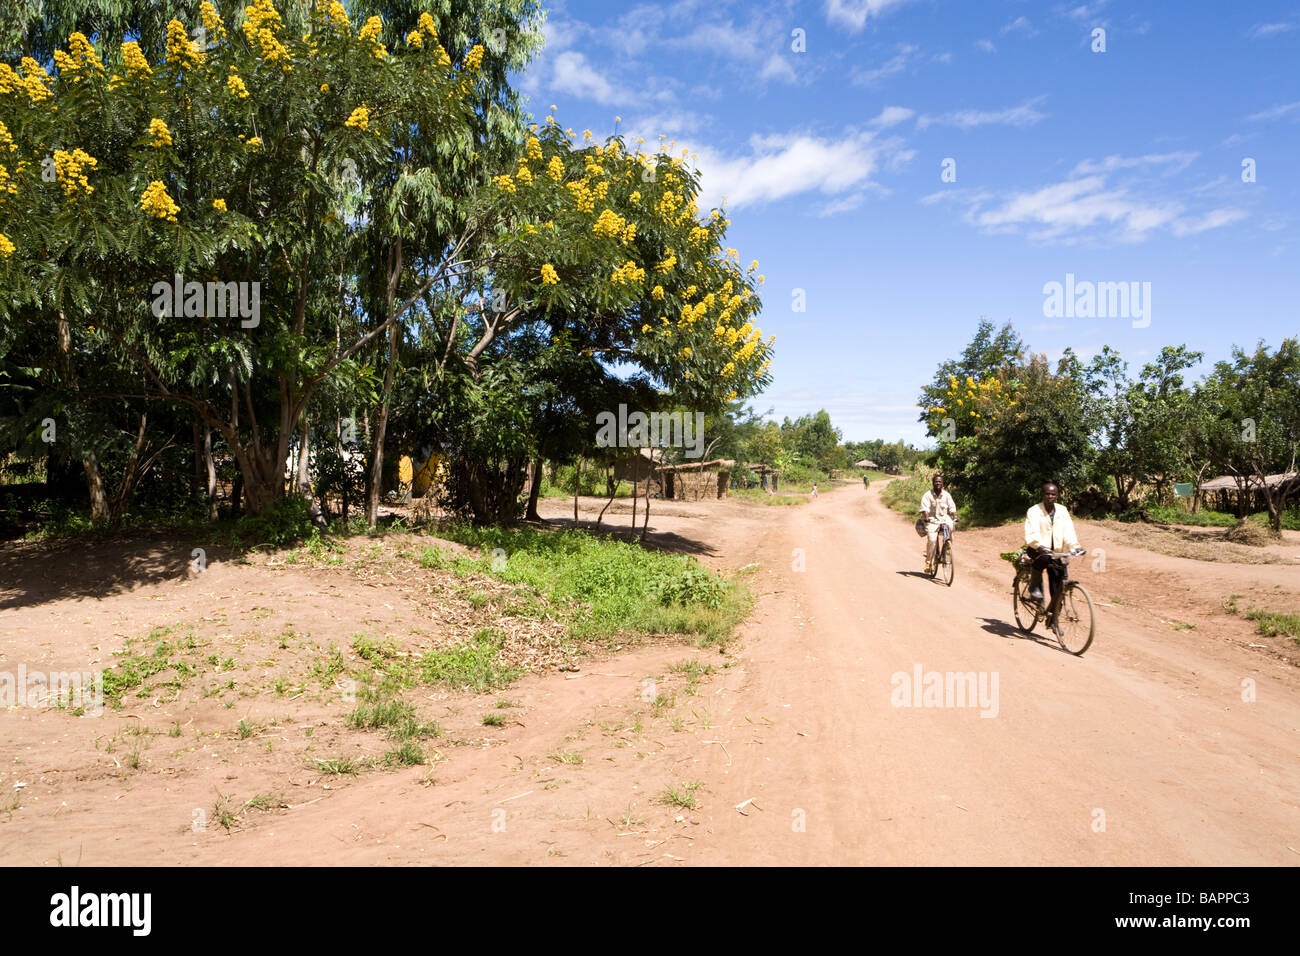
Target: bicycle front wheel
(945, 565)
(1075, 622)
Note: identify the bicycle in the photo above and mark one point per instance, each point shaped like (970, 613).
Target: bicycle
(943, 555)
(1069, 615)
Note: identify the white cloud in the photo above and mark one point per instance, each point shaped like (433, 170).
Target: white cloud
(942, 58)
(1262, 30)
(892, 116)
(1088, 205)
(1019, 24)
(575, 76)
(1026, 114)
(781, 166)
(1178, 162)
(986, 45)
(895, 64)
(1086, 11)
(854, 14)
(1276, 111)
(777, 67)
(1213, 219)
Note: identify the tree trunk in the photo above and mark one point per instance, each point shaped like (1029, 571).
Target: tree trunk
(645, 525)
(613, 490)
(577, 486)
(210, 466)
(304, 455)
(533, 493)
(99, 511)
(381, 431)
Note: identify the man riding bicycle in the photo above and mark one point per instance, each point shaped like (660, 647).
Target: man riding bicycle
(1048, 528)
(937, 507)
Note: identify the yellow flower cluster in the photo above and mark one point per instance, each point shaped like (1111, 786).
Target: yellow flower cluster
(583, 195)
(7, 186)
(416, 39)
(555, 168)
(83, 54)
(211, 19)
(533, 149)
(360, 118)
(332, 13)
(666, 204)
(728, 370)
(70, 170)
(370, 34)
(6, 140)
(162, 136)
(635, 198)
(474, 58)
(136, 64)
(254, 144)
(6, 247)
(235, 86)
(504, 183)
(629, 234)
(524, 174)
(219, 205)
(699, 236)
(628, 272)
(657, 293)
(9, 80)
(609, 225)
(35, 81)
(157, 203)
(182, 52)
(549, 276)
(669, 262)
(261, 21)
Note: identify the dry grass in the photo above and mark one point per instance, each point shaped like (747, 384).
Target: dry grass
(1198, 544)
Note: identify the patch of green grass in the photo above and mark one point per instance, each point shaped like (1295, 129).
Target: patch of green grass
(245, 729)
(409, 754)
(134, 669)
(336, 765)
(473, 664)
(395, 716)
(325, 669)
(1230, 604)
(565, 756)
(605, 587)
(494, 720)
(681, 795)
(1273, 624)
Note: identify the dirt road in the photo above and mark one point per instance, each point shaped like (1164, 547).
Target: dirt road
(797, 747)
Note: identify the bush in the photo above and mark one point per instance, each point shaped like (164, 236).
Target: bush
(286, 523)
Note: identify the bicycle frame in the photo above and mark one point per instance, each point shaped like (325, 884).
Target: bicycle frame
(1053, 607)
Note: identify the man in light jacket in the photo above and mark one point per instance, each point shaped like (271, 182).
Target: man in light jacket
(1048, 528)
(937, 507)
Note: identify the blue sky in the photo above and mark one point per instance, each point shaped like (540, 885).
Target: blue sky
(1115, 166)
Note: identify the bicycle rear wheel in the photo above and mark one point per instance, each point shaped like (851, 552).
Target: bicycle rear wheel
(1025, 612)
(1075, 621)
(945, 565)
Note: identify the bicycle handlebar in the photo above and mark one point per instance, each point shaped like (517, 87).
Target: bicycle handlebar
(1076, 553)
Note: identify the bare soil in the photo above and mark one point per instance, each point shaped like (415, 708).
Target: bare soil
(1172, 741)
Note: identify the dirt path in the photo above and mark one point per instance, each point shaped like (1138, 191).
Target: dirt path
(1142, 752)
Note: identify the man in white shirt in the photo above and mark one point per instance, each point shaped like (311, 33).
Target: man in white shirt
(1048, 528)
(937, 507)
